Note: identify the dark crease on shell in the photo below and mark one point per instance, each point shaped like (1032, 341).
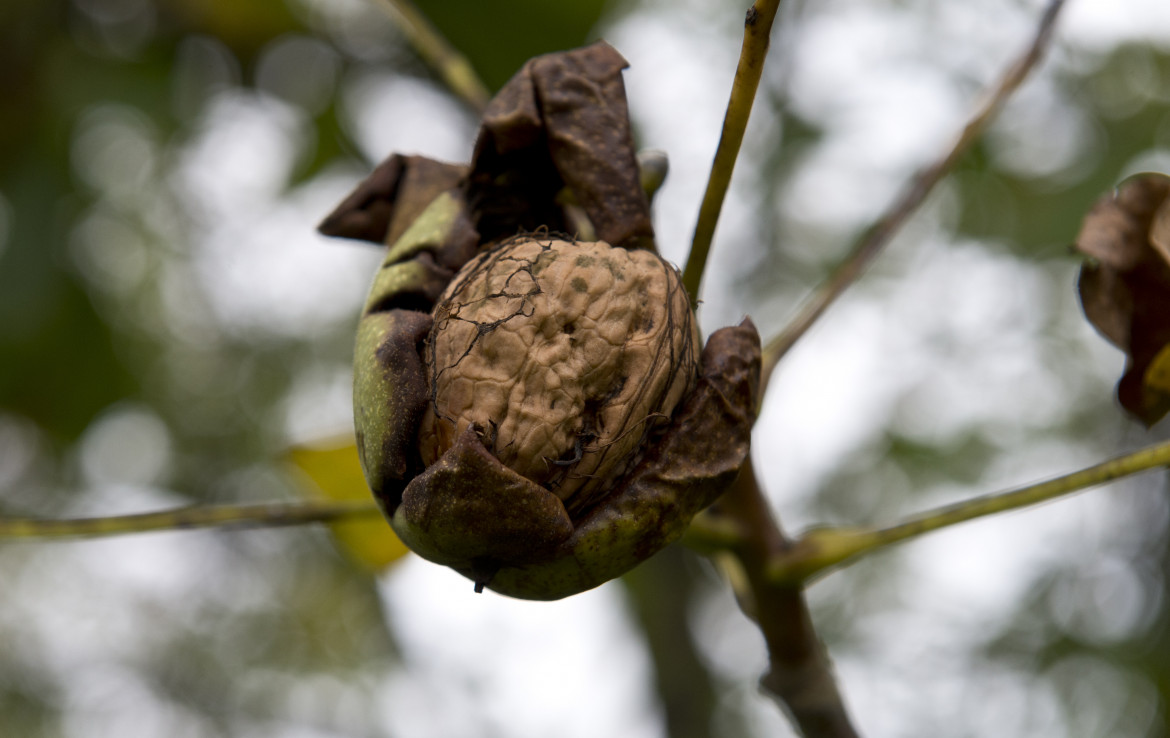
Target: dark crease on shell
(695, 461)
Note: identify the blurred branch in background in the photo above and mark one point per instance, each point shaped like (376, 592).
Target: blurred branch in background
(877, 236)
(451, 66)
(662, 593)
(262, 515)
(756, 36)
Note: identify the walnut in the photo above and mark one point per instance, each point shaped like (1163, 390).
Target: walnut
(566, 356)
(536, 460)
(532, 412)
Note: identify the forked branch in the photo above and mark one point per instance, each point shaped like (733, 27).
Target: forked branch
(800, 678)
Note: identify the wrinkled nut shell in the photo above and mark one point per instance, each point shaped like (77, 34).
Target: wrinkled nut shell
(564, 356)
(694, 462)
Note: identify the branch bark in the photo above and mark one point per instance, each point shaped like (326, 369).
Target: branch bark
(800, 678)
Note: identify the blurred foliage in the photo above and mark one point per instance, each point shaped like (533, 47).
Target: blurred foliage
(1095, 630)
(120, 381)
(534, 27)
(125, 385)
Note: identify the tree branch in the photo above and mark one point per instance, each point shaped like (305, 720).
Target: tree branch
(660, 591)
(268, 514)
(875, 238)
(801, 677)
(451, 66)
(821, 550)
(756, 35)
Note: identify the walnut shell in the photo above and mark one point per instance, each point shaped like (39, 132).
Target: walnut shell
(538, 417)
(565, 356)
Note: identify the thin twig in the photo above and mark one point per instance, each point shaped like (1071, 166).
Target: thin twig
(268, 514)
(757, 32)
(881, 232)
(801, 677)
(451, 66)
(820, 550)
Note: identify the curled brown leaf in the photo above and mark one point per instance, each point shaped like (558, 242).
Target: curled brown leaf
(1125, 287)
(386, 202)
(561, 122)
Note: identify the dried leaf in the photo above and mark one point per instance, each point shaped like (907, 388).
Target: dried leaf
(385, 204)
(557, 137)
(562, 121)
(1125, 287)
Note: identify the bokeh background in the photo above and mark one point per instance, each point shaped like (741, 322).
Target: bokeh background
(170, 324)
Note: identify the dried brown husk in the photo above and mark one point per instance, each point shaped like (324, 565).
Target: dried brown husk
(1125, 287)
(554, 144)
